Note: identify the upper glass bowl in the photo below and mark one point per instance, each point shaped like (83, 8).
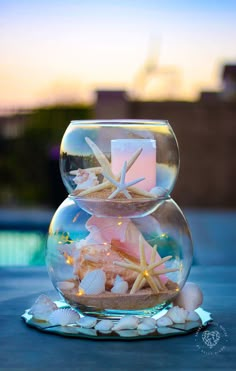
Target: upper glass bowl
(119, 167)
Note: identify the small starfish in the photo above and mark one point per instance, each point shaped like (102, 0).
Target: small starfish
(106, 169)
(121, 186)
(146, 272)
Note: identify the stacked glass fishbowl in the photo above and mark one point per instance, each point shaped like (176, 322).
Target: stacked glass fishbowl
(119, 244)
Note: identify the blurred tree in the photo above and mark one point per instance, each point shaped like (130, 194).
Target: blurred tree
(33, 163)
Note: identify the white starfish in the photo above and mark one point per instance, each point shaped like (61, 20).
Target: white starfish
(121, 186)
(146, 271)
(106, 168)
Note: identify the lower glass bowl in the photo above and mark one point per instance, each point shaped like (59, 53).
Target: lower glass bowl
(110, 266)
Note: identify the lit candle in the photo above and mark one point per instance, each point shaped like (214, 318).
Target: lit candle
(145, 165)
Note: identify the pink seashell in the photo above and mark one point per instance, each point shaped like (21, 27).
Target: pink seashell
(190, 297)
(122, 234)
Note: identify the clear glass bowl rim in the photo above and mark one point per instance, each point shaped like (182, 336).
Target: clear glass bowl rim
(121, 122)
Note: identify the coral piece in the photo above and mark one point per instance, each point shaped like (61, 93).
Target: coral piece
(146, 272)
(190, 297)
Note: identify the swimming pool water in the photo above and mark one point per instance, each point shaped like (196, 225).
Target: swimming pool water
(22, 248)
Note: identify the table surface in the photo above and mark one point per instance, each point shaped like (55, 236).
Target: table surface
(25, 348)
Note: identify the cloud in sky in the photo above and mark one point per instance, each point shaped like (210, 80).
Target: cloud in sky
(91, 44)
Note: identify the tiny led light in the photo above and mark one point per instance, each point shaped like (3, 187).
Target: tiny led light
(80, 292)
(69, 259)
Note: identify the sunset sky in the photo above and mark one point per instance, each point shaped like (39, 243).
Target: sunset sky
(61, 50)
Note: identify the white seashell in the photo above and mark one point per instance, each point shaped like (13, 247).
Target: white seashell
(65, 285)
(120, 286)
(146, 332)
(128, 333)
(87, 331)
(84, 179)
(42, 308)
(190, 297)
(164, 321)
(177, 315)
(118, 279)
(126, 323)
(87, 322)
(104, 325)
(192, 316)
(93, 282)
(147, 323)
(63, 317)
(167, 330)
(158, 191)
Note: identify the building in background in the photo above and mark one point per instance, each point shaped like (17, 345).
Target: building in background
(229, 82)
(206, 133)
(205, 129)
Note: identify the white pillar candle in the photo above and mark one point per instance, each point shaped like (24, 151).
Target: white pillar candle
(145, 165)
